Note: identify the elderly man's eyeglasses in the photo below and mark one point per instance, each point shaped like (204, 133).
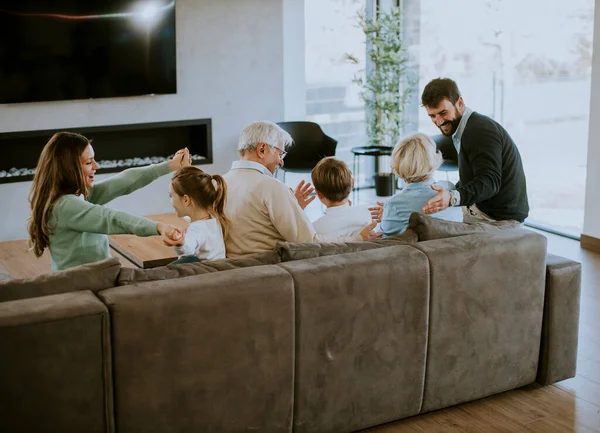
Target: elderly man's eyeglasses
(281, 153)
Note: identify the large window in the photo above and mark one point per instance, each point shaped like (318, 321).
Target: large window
(527, 64)
(332, 100)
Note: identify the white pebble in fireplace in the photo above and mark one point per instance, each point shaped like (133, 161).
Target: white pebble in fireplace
(113, 163)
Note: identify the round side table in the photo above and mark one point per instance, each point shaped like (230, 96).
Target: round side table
(357, 152)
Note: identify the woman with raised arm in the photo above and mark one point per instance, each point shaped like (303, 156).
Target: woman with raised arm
(68, 215)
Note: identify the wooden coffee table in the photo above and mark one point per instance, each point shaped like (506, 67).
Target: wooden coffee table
(148, 252)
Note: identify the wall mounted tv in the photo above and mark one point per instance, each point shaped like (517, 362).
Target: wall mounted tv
(54, 50)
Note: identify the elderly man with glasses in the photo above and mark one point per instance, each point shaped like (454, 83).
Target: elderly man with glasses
(263, 210)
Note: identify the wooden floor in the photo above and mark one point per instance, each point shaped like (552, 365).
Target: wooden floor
(572, 405)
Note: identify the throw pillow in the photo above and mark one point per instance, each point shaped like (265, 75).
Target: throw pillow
(133, 276)
(93, 276)
(429, 228)
(297, 251)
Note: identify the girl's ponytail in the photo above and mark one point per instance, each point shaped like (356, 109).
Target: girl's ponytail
(220, 201)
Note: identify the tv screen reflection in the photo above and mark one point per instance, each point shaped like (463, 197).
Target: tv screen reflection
(71, 49)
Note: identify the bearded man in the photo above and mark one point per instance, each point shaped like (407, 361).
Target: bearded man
(492, 183)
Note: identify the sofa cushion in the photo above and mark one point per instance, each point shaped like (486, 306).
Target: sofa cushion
(93, 276)
(299, 251)
(133, 276)
(429, 228)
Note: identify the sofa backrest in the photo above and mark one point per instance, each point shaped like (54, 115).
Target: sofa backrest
(361, 336)
(428, 228)
(211, 352)
(485, 319)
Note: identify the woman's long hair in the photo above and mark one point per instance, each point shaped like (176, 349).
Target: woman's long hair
(206, 191)
(58, 173)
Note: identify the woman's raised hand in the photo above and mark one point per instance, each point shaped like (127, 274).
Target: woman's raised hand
(182, 158)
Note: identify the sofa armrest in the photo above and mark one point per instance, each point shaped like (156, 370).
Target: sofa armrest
(560, 327)
(47, 309)
(55, 365)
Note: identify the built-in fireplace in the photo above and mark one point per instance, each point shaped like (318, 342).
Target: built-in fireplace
(117, 147)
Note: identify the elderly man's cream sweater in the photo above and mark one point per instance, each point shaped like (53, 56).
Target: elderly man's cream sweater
(263, 211)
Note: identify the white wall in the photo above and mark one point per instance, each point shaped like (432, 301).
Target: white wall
(230, 68)
(294, 83)
(591, 222)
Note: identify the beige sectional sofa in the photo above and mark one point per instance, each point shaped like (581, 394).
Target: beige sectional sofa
(309, 338)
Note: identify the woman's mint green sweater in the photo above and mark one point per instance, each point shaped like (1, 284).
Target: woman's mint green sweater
(80, 228)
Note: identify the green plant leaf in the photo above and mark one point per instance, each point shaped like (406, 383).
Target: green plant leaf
(386, 86)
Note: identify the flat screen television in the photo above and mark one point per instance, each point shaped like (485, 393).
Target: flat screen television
(54, 50)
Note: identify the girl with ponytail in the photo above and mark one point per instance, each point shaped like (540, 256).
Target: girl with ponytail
(200, 197)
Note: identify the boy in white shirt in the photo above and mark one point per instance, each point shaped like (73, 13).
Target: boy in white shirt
(333, 182)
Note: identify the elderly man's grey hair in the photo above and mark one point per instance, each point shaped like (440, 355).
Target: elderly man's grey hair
(262, 132)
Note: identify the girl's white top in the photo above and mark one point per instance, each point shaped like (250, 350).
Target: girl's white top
(203, 239)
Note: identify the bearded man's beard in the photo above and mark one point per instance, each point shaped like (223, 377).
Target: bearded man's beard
(448, 132)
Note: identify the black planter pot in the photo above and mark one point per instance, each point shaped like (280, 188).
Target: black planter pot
(385, 184)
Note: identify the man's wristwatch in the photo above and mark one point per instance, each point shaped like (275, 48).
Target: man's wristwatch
(453, 198)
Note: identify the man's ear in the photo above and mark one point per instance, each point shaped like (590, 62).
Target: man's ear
(460, 105)
(321, 196)
(261, 150)
(352, 187)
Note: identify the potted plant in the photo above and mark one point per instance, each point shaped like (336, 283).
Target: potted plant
(385, 87)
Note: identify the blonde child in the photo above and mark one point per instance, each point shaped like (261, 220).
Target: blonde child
(333, 182)
(414, 160)
(200, 197)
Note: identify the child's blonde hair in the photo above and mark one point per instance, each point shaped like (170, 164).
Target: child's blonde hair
(205, 190)
(332, 178)
(415, 158)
